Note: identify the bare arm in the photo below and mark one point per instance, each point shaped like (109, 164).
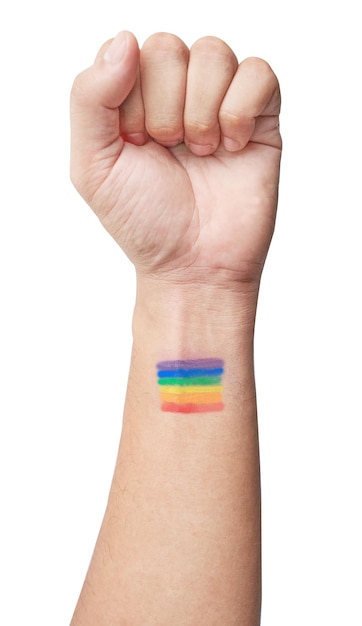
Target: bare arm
(151, 153)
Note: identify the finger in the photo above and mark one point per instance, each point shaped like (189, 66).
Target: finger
(96, 96)
(163, 63)
(253, 92)
(132, 116)
(211, 68)
(102, 50)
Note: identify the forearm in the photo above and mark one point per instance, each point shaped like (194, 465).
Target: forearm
(180, 540)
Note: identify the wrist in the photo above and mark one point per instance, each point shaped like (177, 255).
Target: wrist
(196, 323)
(193, 321)
(196, 304)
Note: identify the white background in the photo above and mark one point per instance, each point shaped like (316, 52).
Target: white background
(67, 296)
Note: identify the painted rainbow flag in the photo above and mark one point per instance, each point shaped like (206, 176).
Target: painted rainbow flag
(192, 386)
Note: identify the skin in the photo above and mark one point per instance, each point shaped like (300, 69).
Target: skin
(178, 151)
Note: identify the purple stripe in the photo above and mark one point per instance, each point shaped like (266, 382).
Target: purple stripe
(190, 364)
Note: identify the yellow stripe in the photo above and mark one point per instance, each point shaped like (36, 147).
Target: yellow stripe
(194, 398)
(173, 389)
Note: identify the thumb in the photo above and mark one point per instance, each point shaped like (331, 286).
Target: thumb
(96, 96)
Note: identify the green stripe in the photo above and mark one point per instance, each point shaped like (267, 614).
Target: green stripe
(186, 382)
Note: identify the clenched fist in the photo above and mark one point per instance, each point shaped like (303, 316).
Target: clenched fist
(177, 151)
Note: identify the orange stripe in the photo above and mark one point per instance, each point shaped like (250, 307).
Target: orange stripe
(194, 398)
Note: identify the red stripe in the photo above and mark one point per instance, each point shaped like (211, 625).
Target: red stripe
(190, 407)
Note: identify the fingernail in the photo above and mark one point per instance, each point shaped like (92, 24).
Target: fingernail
(231, 144)
(117, 49)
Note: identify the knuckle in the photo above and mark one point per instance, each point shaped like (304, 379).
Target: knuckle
(260, 68)
(164, 45)
(257, 64)
(216, 48)
(211, 44)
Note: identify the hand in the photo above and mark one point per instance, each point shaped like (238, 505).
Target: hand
(178, 153)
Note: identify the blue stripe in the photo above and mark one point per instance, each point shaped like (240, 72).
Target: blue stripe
(181, 373)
